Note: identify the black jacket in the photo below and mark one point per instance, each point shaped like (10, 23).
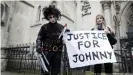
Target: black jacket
(48, 35)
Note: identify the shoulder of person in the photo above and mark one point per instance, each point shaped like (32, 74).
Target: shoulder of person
(111, 31)
(60, 26)
(44, 26)
(92, 29)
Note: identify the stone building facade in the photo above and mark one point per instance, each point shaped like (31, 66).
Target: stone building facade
(21, 20)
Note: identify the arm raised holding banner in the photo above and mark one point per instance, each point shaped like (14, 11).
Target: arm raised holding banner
(64, 31)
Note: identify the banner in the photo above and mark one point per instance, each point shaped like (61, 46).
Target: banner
(88, 48)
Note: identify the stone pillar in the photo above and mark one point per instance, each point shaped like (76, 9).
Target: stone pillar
(108, 18)
(78, 16)
(107, 13)
(117, 9)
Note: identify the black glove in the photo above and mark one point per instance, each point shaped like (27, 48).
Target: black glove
(38, 50)
(38, 44)
(67, 30)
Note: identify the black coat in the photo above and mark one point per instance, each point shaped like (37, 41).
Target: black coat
(48, 36)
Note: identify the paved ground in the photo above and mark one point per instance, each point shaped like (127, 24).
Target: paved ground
(87, 73)
(13, 73)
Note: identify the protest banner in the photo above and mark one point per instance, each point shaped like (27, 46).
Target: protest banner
(88, 48)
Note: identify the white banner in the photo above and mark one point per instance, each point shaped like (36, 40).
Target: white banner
(88, 48)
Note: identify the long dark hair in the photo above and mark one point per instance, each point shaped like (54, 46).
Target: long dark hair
(51, 10)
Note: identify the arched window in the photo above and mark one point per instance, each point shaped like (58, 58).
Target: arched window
(4, 14)
(38, 14)
(2, 10)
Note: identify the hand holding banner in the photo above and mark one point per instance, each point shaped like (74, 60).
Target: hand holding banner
(63, 31)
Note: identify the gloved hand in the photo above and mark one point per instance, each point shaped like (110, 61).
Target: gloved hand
(67, 30)
(38, 44)
(38, 49)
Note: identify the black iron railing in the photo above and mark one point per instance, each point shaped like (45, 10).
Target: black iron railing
(23, 59)
(20, 59)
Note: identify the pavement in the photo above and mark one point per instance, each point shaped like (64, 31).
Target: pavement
(87, 73)
(15, 73)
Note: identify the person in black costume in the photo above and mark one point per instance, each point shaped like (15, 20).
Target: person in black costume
(48, 42)
(101, 25)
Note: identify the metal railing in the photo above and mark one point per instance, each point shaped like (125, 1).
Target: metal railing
(124, 61)
(20, 59)
(23, 59)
